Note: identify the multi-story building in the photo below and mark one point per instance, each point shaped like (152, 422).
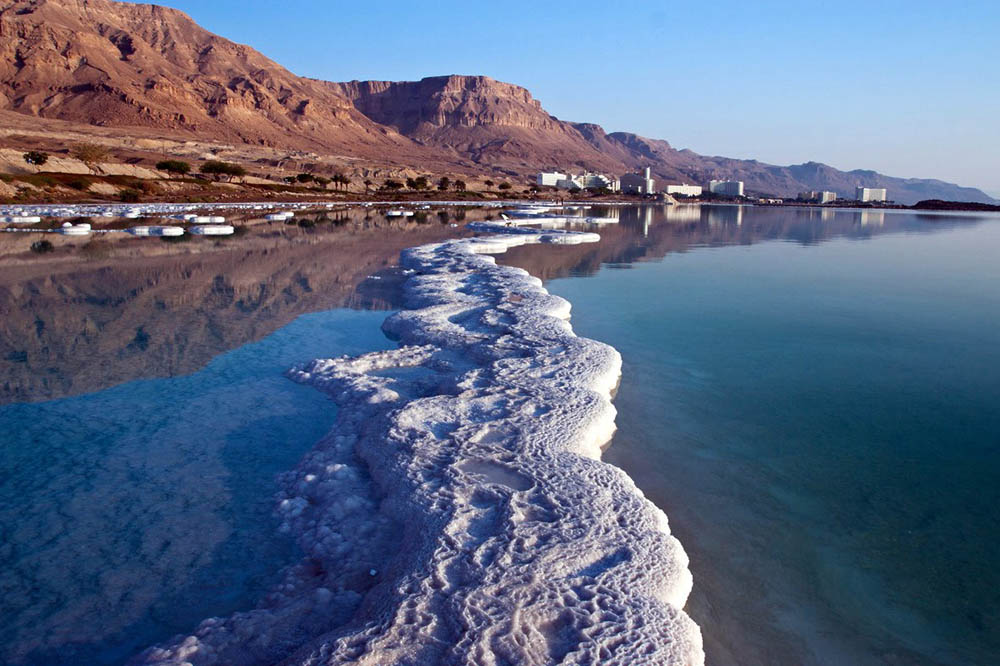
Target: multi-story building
(573, 182)
(598, 181)
(638, 183)
(728, 188)
(685, 190)
(870, 194)
(818, 197)
(550, 178)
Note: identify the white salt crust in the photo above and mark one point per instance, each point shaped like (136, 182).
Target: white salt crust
(481, 526)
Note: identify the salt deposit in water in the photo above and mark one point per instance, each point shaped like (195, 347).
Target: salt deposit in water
(497, 535)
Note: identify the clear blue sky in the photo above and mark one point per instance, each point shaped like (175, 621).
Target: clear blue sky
(910, 89)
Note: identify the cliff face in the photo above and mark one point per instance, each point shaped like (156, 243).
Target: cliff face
(118, 64)
(420, 108)
(493, 123)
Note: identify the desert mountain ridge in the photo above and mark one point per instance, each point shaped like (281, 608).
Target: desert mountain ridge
(130, 66)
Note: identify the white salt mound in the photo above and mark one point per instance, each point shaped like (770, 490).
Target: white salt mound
(482, 527)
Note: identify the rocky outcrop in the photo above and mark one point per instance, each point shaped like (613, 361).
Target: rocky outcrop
(494, 123)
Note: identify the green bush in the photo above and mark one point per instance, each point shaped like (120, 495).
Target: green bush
(176, 167)
(216, 168)
(36, 157)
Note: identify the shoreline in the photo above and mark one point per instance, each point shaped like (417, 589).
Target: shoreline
(483, 435)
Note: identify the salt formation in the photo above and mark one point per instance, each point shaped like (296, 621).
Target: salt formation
(489, 531)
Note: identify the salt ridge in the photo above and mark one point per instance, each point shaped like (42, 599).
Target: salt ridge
(489, 531)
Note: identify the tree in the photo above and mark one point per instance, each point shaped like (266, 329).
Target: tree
(368, 183)
(36, 157)
(305, 178)
(321, 181)
(341, 180)
(90, 154)
(215, 169)
(505, 186)
(459, 186)
(130, 195)
(444, 184)
(392, 185)
(176, 167)
(289, 179)
(489, 184)
(421, 183)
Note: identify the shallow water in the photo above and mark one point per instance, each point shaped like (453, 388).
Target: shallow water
(809, 394)
(819, 420)
(133, 513)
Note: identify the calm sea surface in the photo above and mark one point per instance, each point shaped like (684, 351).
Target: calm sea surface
(821, 423)
(811, 396)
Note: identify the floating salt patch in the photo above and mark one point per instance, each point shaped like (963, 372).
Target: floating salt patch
(156, 231)
(68, 229)
(399, 213)
(21, 219)
(213, 230)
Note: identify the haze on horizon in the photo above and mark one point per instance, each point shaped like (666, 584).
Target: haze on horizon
(910, 89)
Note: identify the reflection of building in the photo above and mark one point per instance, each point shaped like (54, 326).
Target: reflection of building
(638, 217)
(728, 188)
(611, 213)
(826, 214)
(725, 215)
(867, 217)
(638, 183)
(683, 213)
(870, 194)
(685, 190)
(818, 197)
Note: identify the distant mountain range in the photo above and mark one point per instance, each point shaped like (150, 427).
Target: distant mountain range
(123, 65)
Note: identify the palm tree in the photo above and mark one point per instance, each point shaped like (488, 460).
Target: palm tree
(368, 184)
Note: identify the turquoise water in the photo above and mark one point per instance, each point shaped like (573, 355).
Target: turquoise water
(821, 423)
(810, 395)
(130, 514)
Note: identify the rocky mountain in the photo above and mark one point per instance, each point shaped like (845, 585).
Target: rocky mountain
(122, 65)
(492, 123)
(119, 64)
(501, 125)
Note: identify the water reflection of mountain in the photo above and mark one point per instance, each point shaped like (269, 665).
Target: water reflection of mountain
(113, 311)
(82, 321)
(646, 233)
